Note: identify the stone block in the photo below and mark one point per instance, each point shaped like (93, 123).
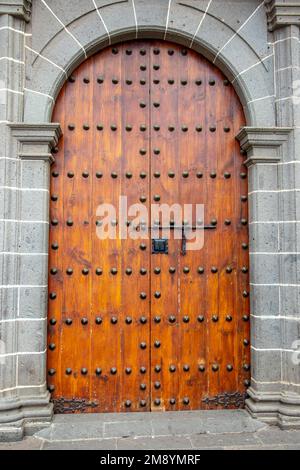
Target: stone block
(34, 205)
(264, 269)
(33, 237)
(31, 336)
(264, 237)
(8, 303)
(289, 300)
(265, 333)
(33, 270)
(266, 366)
(31, 369)
(37, 172)
(33, 302)
(263, 207)
(264, 300)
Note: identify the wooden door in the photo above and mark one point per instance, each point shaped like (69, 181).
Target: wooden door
(130, 329)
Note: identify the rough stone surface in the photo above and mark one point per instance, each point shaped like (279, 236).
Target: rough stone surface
(159, 431)
(36, 58)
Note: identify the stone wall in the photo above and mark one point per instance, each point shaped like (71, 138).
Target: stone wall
(256, 44)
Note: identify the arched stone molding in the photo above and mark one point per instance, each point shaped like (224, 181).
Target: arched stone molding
(63, 38)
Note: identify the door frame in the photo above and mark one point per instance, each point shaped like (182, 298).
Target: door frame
(34, 141)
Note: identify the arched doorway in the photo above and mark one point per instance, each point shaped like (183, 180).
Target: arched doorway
(133, 328)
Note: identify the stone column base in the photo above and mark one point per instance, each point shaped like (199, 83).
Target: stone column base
(24, 416)
(282, 409)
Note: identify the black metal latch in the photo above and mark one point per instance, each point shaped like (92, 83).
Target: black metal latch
(160, 245)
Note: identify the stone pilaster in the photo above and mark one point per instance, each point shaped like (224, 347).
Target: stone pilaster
(275, 385)
(24, 399)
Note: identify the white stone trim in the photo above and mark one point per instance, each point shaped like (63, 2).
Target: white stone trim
(47, 60)
(273, 191)
(275, 317)
(65, 28)
(7, 158)
(102, 21)
(252, 66)
(15, 221)
(135, 19)
(36, 353)
(275, 382)
(201, 21)
(18, 387)
(12, 253)
(11, 59)
(39, 93)
(284, 39)
(261, 99)
(273, 284)
(9, 90)
(290, 67)
(275, 253)
(25, 286)
(15, 188)
(14, 30)
(272, 349)
(167, 20)
(13, 320)
(274, 222)
(238, 30)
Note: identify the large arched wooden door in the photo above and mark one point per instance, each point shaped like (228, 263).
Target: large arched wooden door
(130, 329)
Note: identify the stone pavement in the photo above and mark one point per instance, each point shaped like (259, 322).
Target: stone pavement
(199, 430)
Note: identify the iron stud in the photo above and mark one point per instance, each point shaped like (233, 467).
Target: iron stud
(128, 320)
(172, 319)
(55, 174)
(53, 321)
(98, 271)
(143, 370)
(98, 371)
(215, 367)
(157, 344)
(52, 346)
(51, 372)
(186, 367)
(143, 271)
(114, 320)
(98, 320)
(229, 367)
(69, 321)
(143, 386)
(143, 345)
(172, 368)
(156, 385)
(128, 370)
(200, 318)
(200, 270)
(143, 320)
(157, 319)
(53, 271)
(215, 318)
(128, 403)
(113, 371)
(68, 371)
(143, 295)
(185, 401)
(201, 368)
(84, 321)
(186, 319)
(128, 271)
(229, 318)
(157, 368)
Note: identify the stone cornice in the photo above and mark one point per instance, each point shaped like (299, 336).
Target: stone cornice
(281, 13)
(263, 145)
(36, 140)
(18, 8)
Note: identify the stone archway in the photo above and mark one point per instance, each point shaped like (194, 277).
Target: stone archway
(270, 156)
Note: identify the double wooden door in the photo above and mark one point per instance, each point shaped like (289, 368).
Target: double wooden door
(130, 329)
